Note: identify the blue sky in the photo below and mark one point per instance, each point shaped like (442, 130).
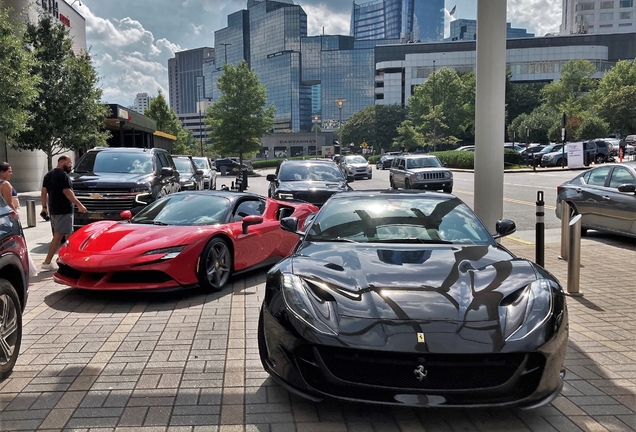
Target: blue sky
(131, 40)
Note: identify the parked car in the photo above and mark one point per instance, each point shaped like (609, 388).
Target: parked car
(229, 164)
(209, 172)
(356, 166)
(604, 197)
(514, 147)
(395, 297)
(14, 287)
(470, 148)
(108, 180)
(550, 148)
(183, 240)
(596, 151)
(420, 172)
(313, 181)
(386, 159)
(527, 154)
(190, 177)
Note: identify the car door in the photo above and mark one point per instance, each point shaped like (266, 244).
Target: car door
(257, 245)
(167, 184)
(399, 172)
(620, 208)
(589, 201)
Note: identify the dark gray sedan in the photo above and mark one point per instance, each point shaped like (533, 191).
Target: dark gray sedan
(605, 197)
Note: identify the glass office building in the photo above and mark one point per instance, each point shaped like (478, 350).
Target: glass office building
(410, 20)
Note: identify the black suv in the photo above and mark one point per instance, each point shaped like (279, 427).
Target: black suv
(14, 287)
(312, 180)
(190, 176)
(108, 180)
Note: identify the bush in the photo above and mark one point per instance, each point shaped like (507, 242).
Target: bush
(456, 159)
(374, 159)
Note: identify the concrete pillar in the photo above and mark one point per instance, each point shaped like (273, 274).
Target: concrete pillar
(490, 110)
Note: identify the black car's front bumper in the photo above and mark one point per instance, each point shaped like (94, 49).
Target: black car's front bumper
(316, 367)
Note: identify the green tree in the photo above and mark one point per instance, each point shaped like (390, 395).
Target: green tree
(67, 113)
(592, 127)
(239, 118)
(521, 98)
(573, 87)
(409, 138)
(168, 122)
(18, 84)
(537, 124)
(375, 124)
(619, 110)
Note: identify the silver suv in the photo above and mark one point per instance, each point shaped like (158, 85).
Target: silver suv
(420, 172)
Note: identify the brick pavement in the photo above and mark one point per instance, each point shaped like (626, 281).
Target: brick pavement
(187, 361)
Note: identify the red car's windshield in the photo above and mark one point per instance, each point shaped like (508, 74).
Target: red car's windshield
(184, 209)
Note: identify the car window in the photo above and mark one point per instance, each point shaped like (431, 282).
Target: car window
(356, 159)
(183, 209)
(163, 160)
(598, 176)
(248, 208)
(183, 165)
(620, 176)
(428, 162)
(201, 163)
(116, 162)
(401, 163)
(307, 172)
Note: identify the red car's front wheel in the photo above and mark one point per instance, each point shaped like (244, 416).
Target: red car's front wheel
(215, 265)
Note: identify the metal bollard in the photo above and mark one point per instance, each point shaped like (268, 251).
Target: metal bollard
(565, 230)
(540, 231)
(245, 180)
(30, 213)
(574, 261)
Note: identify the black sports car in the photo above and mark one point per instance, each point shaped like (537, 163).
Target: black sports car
(312, 180)
(405, 298)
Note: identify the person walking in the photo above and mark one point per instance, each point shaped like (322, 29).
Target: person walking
(10, 196)
(57, 199)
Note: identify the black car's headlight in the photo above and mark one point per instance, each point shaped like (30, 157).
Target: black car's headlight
(305, 305)
(168, 253)
(285, 195)
(526, 310)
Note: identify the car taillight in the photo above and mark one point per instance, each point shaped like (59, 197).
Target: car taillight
(559, 189)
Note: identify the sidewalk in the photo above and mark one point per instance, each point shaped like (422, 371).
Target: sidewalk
(187, 361)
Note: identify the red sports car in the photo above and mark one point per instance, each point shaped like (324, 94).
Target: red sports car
(185, 239)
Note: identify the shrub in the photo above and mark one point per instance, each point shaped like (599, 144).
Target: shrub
(456, 159)
(374, 159)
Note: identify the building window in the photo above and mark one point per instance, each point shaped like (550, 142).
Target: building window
(607, 5)
(607, 16)
(626, 15)
(625, 25)
(584, 6)
(626, 3)
(606, 25)
(584, 18)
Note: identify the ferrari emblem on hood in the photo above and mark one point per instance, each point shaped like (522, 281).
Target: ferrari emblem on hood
(420, 338)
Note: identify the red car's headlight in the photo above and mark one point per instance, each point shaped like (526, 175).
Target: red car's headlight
(168, 253)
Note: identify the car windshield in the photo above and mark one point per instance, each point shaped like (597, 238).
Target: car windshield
(326, 172)
(356, 159)
(201, 163)
(184, 209)
(428, 162)
(183, 165)
(399, 219)
(115, 162)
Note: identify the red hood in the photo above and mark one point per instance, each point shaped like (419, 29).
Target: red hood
(116, 237)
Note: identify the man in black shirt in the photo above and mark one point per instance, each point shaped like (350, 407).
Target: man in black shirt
(57, 187)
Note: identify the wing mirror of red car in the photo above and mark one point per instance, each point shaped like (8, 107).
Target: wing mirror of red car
(251, 220)
(126, 215)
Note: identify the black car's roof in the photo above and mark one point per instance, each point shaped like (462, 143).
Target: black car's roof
(127, 149)
(308, 161)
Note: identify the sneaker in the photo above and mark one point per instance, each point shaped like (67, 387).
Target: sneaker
(49, 267)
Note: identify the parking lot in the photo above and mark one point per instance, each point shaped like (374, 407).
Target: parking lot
(187, 361)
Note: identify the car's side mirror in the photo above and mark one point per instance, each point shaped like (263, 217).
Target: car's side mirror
(199, 172)
(126, 215)
(290, 224)
(271, 177)
(351, 179)
(505, 227)
(251, 220)
(167, 171)
(629, 188)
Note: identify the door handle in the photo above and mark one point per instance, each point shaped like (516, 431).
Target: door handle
(606, 198)
(578, 190)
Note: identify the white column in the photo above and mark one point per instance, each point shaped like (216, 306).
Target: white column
(490, 110)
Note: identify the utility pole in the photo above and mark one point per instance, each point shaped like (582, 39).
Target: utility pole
(435, 111)
(340, 102)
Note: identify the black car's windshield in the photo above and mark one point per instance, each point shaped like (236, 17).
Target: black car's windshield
(183, 165)
(201, 163)
(427, 162)
(399, 219)
(325, 172)
(115, 162)
(184, 209)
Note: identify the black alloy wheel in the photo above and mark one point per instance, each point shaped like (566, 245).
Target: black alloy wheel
(10, 328)
(215, 265)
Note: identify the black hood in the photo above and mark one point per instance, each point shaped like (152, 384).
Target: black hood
(108, 180)
(415, 282)
(312, 185)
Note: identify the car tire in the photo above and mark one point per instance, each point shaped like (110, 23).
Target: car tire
(215, 265)
(369, 177)
(379, 166)
(407, 184)
(10, 327)
(599, 158)
(392, 183)
(448, 189)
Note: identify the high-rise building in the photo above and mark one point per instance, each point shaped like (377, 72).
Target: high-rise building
(466, 29)
(142, 102)
(409, 20)
(185, 78)
(597, 17)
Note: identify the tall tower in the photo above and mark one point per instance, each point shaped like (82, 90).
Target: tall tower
(185, 72)
(597, 16)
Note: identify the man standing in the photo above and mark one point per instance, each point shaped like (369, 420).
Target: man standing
(58, 188)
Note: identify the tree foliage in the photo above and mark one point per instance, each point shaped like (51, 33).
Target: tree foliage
(376, 125)
(408, 138)
(574, 85)
(168, 122)
(67, 113)
(239, 118)
(18, 84)
(592, 127)
(616, 96)
(521, 98)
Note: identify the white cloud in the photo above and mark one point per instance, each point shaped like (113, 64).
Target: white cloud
(320, 16)
(197, 29)
(538, 16)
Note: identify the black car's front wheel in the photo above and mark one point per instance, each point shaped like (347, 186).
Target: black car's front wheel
(10, 328)
(392, 183)
(215, 265)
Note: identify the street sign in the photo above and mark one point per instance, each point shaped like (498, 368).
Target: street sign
(364, 144)
(562, 134)
(564, 120)
(329, 154)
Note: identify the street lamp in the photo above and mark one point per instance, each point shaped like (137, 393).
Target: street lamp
(340, 102)
(200, 117)
(316, 121)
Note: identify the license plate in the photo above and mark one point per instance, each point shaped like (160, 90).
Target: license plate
(96, 216)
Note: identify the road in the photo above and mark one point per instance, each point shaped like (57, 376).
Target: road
(520, 192)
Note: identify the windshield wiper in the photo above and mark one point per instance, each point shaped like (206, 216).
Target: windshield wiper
(412, 240)
(327, 239)
(159, 223)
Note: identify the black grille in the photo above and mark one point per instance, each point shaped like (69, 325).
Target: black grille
(69, 272)
(105, 204)
(316, 198)
(443, 371)
(141, 276)
(430, 175)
